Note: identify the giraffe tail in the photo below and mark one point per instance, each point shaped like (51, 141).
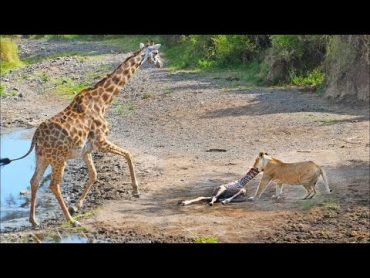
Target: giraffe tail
(5, 161)
(325, 179)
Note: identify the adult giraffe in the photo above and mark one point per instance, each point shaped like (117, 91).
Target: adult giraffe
(80, 129)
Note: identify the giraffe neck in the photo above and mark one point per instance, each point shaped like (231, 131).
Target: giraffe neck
(97, 98)
(249, 176)
(112, 85)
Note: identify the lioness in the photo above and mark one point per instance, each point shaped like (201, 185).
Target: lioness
(304, 173)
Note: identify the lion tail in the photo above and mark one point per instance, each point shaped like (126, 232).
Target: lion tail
(325, 179)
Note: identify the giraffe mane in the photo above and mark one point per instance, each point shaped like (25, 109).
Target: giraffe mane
(109, 75)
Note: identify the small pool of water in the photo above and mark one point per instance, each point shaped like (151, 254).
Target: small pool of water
(15, 189)
(68, 239)
(16, 176)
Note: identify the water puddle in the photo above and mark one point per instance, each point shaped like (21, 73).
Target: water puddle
(15, 192)
(68, 239)
(56, 237)
(15, 180)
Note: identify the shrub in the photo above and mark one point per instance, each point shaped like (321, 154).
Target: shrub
(9, 58)
(294, 55)
(315, 77)
(232, 49)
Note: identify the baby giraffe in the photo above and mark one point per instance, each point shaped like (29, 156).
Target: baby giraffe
(226, 193)
(81, 129)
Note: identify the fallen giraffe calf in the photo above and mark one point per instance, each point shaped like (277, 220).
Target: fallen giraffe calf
(226, 193)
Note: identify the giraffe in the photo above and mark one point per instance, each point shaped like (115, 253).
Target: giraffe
(80, 129)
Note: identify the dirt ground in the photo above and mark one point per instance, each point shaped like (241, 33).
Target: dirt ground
(168, 120)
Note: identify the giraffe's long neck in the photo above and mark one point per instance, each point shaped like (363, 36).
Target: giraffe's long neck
(112, 85)
(97, 98)
(249, 176)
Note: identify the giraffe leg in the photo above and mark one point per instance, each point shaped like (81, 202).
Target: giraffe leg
(41, 166)
(228, 200)
(56, 180)
(92, 179)
(111, 148)
(221, 190)
(188, 202)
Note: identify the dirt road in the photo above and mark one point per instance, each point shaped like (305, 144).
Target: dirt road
(168, 121)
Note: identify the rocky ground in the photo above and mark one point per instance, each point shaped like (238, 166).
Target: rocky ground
(169, 121)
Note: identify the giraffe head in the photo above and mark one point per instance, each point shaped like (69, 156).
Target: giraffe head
(151, 54)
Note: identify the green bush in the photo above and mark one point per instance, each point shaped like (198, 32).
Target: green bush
(232, 49)
(294, 55)
(190, 52)
(209, 51)
(275, 59)
(287, 45)
(315, 77)
(9, 58)
(64, 37)
(210, 239)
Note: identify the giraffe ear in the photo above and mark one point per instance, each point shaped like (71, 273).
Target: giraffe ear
(141, 45)
(156, 46)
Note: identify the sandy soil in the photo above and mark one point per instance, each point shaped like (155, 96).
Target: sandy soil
(172, 120)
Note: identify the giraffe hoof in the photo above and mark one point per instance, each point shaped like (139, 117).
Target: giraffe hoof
(211, 204)
(72, 210)
(180, 202)
(76, 224)
(35, 224)
(136, 194)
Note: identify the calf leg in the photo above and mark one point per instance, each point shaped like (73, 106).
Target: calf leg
(228, 200)
(188, 202)
(221, 190)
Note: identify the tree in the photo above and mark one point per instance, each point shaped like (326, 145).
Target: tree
(347, 67)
